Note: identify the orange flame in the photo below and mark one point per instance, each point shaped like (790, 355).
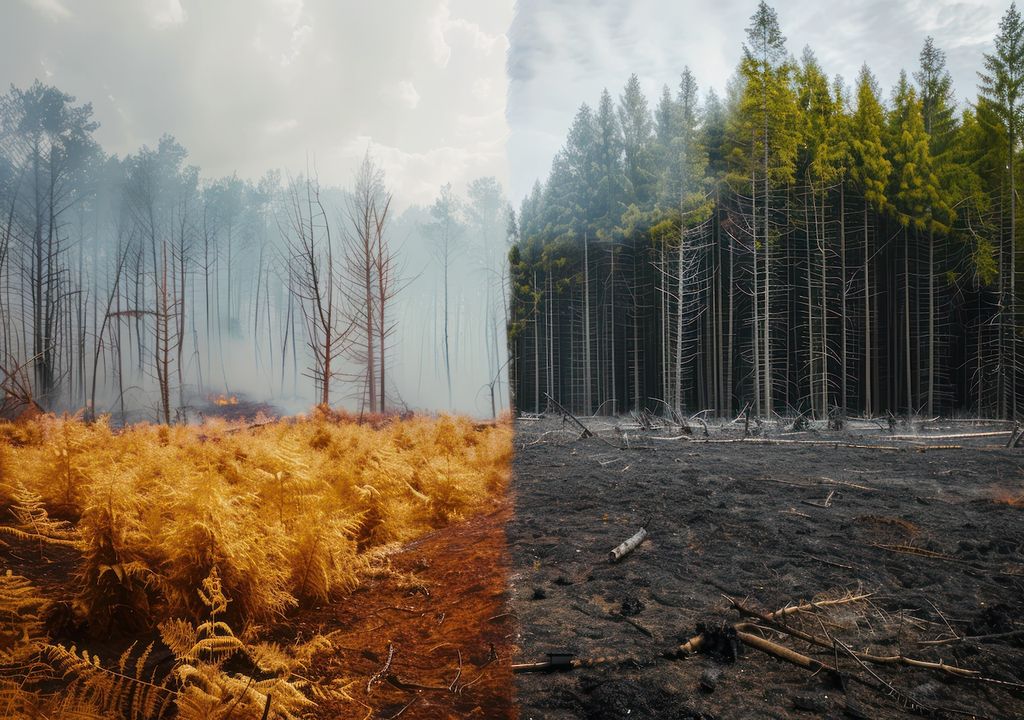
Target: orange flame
(223, 400)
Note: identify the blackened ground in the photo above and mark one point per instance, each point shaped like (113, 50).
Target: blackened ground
(932, 533)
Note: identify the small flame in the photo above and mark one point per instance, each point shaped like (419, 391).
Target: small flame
(223, 400)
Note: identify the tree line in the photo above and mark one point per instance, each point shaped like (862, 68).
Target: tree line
(134, 286)
(796, 246)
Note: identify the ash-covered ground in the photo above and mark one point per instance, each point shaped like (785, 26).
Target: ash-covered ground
(931, 526)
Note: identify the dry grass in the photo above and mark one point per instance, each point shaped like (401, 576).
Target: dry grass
(281, 514)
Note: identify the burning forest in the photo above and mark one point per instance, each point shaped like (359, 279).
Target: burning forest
(302, 417)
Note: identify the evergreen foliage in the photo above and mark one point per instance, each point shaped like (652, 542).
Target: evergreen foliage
(806, 248)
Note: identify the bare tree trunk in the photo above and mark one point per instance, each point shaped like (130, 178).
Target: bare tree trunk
(824, 309)
(680, 266)
(842, 290)
(587, 382)
(756, 298)
(906, 319)
(812, 368)
(868, 408)
(536, 344)
(732, 328)
(611, 346)
(931, 322)
(767, 285)
(1013, 275)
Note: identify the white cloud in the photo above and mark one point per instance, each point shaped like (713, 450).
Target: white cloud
(420, 173)
(53, 9)
(277, 127)
(443, 26)
(167, 13)
(442, 51)
(300, 36)
(405, 93)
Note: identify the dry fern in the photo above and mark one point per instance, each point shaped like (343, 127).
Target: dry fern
(207, 691)
(31, 522)
(113, 577)
(285, 513)
(126, 692)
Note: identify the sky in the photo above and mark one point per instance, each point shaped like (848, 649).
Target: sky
(249, 85)
(438, 90)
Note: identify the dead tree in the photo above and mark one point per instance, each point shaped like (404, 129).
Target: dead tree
(370, 281)
(446, 229)
(313, 280)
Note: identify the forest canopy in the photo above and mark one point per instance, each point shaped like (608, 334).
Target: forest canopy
(795, 245)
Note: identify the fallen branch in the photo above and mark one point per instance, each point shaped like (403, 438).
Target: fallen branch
(909, 701)
(826, 504)
(783, 653)
(866, 657)
(1013, 435)
(568, 415)
(921, 552)
(625, 548)
(779, 441)
(695, 643)
(567, 661)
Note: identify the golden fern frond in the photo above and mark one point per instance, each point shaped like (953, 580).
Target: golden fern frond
(212, 593)
(18, 701)
(122, 693)
(270, 658)
(33, 523)
(178, 635)
(21, 618)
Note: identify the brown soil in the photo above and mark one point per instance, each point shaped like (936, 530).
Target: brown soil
(441, 609)
(924, 530)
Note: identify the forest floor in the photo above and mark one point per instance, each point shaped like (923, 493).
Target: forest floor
(931, 527)
(926, 523)
(438, 610)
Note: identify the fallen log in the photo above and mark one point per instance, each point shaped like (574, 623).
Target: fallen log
(952, 436)
(625, 548)
(567, 661)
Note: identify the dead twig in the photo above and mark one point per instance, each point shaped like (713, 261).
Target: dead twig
(380, 673)
(826, 504)
(920, 552)
(458, 673)
(404, 707)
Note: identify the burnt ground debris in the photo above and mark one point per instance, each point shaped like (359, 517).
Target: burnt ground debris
(931, 531)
